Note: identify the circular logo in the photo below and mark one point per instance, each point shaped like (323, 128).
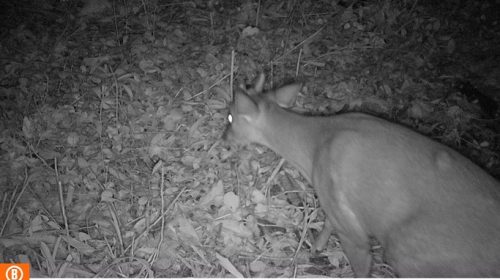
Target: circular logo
(14, 273)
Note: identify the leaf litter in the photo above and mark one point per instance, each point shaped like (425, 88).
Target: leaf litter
(110, 153)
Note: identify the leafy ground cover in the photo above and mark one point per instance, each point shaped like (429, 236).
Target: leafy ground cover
(111, 158)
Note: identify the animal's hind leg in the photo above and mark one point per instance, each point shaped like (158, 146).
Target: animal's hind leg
(358, 251)
(322, 239)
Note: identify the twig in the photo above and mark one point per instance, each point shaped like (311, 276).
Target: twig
(159, 218)
(116, 225)
(232, 77)
(210, 87)
(307, 222)
(275, 171)
(298, 45)
(297, 68)
(61, 199)
(36, 154)
(258, 15)
(13, 207)
(154, 256)
(150, 273)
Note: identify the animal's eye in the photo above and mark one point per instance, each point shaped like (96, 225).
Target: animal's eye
(230, 118)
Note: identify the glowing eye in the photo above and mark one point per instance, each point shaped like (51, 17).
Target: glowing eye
(230, 118)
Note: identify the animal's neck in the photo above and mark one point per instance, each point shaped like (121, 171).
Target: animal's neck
(294, 137)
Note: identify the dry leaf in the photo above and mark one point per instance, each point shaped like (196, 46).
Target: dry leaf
(224, 262)
(214, 197)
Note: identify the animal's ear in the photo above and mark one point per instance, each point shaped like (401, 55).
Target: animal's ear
(259, 83)
(287, 95)
(244, 105)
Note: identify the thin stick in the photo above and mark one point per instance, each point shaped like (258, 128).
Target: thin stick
(13, 207)
(257, 16)
(232, 76)
(155, 255)
(116, 224)
(298, 64)
(298, 45)
(171, 205)
(210, 87)
(268, 182)
(61, 199)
